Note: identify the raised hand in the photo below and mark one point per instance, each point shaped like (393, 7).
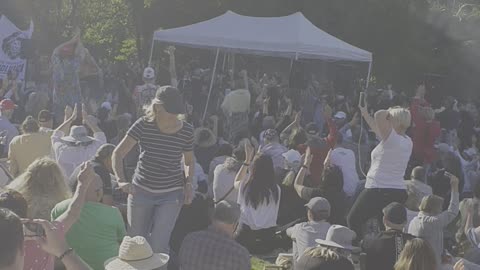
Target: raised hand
(86, 173)
(454, 181)
(53, 242)
(308, 157)
(84, 113)
(249, 150)
(298, 117)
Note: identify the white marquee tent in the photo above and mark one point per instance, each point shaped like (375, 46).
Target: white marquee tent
(293, 37)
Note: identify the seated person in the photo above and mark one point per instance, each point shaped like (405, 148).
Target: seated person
(320, 258)
(304, 234)
(383, 251)
(97, 234)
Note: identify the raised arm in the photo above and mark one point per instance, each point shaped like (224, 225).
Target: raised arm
(189, 159)
(55, 244)
(332, 127)
(69, 217)
(383, 124)
(242, 173)
(172, 69)
(448, 216)
(298, 185)
(285, 134)
(368, 118)
(70, 116)
(469, 221)
(12, 162)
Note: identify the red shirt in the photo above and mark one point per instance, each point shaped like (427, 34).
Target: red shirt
(320, 153)
(423, 134)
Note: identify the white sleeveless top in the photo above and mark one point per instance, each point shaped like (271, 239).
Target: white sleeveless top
(389, 162)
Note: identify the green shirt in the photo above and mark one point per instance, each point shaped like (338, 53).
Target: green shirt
(97, 234)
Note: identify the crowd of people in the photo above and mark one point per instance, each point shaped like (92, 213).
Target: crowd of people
(181, 177)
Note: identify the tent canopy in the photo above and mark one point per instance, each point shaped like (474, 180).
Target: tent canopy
(292, 36)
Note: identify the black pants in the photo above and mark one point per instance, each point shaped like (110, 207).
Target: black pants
(257, 242)
(370, 204)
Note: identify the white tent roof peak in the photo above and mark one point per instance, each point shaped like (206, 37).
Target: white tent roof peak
(292, 36)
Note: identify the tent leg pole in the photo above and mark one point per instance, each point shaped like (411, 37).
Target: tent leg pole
(224, 61)
(151, 52)
(368, 75)
(211, 86)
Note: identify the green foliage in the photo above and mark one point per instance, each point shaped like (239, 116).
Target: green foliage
(408, 38)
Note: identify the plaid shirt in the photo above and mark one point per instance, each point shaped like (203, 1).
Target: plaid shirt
(212, 249)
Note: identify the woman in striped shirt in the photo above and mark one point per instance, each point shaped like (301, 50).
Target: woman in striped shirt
(159, 186)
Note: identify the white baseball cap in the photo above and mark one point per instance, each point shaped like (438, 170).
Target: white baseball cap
(148, 73)
(340, 115)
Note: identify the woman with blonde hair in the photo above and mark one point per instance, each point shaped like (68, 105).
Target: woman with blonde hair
(43, 186)
(385, 179)
(160, 185)
(416, 255)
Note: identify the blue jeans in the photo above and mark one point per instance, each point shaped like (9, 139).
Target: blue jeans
(153, 216)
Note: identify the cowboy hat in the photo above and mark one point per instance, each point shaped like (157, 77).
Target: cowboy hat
(136, 254)
(339, 237)
(204, 137)
(78, 134)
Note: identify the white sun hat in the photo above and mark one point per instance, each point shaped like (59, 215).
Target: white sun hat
(136, 254)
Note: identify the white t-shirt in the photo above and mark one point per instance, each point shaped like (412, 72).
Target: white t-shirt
(345, 159)
(223, 180)
(389, 162)
(264, 217)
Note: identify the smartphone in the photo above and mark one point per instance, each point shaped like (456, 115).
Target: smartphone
(35, 228)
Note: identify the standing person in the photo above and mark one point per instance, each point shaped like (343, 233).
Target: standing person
(319, 146)
(385, 178)
(70, 151)
(7, 107)
(143, 94)
(236, 107)
(383, 250)
(345, 160)
(29, 146)
(431, 221)
(159, 187)
(259, 199)
(215, 248)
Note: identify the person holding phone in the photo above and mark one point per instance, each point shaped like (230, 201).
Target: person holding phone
(385, 178)
(38, 232)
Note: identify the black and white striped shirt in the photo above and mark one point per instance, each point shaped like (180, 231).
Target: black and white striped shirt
(158, 168)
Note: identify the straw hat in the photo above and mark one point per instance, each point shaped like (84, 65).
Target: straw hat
(136, 254)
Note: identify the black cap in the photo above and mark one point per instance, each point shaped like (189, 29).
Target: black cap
(395, 213)
(171, 99)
